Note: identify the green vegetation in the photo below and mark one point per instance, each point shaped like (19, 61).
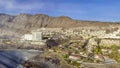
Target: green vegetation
(75, 63)
(115, 54)
(109, 47)
(98, 50)
(67, 48)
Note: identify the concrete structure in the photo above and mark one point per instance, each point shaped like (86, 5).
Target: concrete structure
(110, 42)
(27, 37)
(37, 36)
(34, 36)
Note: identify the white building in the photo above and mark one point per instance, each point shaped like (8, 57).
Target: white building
(34, 36)
(27, 37)
(37, 36)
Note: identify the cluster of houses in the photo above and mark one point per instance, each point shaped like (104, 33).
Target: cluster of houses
(85, 32)
(107, 39)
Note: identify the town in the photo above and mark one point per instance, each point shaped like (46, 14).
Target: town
(72, 46)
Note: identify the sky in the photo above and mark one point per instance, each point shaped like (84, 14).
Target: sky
(93, 10)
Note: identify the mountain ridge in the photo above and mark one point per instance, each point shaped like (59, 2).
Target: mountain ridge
(25, 22)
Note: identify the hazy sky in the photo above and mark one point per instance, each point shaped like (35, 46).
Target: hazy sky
(96, 10)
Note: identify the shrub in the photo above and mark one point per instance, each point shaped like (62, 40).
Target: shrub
(115, 54)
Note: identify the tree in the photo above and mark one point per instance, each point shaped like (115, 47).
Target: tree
(51, 43)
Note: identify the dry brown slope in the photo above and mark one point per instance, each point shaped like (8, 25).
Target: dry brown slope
(27, 22)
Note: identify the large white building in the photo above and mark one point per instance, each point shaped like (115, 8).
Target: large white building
(27, 37)
(34, 36)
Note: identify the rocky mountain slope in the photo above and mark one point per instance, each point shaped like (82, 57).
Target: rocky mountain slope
(25, 22)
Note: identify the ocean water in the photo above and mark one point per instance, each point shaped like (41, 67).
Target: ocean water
(10, 59)
(13, 58)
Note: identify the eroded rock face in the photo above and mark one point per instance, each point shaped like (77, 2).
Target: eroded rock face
(91, 45)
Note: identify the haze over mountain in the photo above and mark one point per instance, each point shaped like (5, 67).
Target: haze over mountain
(23, 23)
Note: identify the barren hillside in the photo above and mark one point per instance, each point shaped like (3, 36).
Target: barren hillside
(25, 22)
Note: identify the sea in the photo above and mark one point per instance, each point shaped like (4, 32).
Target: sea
(13, 58)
